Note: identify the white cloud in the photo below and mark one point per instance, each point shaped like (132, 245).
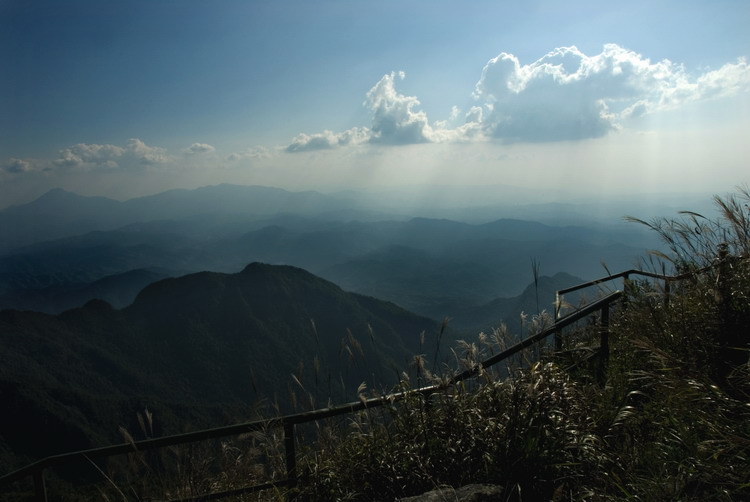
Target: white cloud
(328, 139)
(565, 95)
(198, 148)
(727, 81)
(88, 156)
(147, 155)
(16, 166)
(394, 118)
(258, 152)
(395, 121)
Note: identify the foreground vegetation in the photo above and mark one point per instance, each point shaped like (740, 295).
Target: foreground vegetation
(665, 417)
(670, 421)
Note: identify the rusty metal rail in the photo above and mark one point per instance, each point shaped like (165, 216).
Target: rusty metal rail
(289, 422)
(626, 277)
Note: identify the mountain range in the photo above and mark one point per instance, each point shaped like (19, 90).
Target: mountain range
(434, 267)
(60, 213)
(196, 350)
(216, 209)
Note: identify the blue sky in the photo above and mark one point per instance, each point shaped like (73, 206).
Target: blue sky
(130, 98)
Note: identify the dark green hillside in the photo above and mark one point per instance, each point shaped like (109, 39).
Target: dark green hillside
(196, 350)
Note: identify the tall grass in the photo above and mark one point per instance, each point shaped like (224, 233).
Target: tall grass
(671, 421)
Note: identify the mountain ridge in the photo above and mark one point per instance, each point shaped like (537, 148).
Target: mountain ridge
(198, 350)
(60, 213)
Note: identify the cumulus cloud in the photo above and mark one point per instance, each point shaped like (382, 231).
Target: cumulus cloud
(83, 156)
(147, 155)
(728, 80)
(395, 120)
(16, 166)
(198, 148)
(568, 95)
(89, 156)
(394, 117)
(565, 95)
(328, 139)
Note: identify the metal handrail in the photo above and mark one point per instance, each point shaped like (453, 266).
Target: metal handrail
(626, 276)
(552, 330)
(288, 422)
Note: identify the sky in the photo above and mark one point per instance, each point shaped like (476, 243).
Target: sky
(132, 98)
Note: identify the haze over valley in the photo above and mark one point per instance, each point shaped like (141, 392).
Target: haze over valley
(435, 267)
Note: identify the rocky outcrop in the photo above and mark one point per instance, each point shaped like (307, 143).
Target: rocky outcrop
(468, 493)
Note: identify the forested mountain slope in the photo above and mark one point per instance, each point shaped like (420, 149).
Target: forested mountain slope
(199, 350)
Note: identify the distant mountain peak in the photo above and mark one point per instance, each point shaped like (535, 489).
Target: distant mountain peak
(55, 195)
(62, 195)
(56, 192)
(258, 266)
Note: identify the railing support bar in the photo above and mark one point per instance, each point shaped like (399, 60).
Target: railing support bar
(291, 456)
(604, 336)
(40, 489)
(604, 343)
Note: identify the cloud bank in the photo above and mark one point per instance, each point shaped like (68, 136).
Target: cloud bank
(91, 156)
(565, 95)
(258, 152)
(134, 155)
(85, 155)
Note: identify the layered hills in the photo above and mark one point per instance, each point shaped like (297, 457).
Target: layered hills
(201, 349)
(60, 213)
(100, 248)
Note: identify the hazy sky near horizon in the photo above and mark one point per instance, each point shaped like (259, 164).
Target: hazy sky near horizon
(131, 98)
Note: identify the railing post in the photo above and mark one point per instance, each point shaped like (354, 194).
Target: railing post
(604, 336)
(40, 490)
(604, 343)
(558, 340)
(291, 457)
(558, 307)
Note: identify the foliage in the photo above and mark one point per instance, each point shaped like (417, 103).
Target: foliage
(523, 433)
